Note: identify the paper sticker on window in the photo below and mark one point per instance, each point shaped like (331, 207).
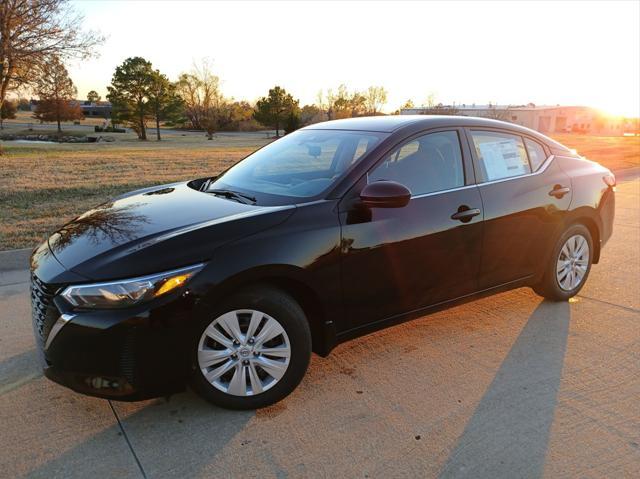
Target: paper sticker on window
(502, 159)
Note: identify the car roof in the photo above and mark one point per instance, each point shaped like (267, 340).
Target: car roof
(385, 124)
(393, 123)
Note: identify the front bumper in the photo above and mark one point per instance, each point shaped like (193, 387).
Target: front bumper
(126, 355)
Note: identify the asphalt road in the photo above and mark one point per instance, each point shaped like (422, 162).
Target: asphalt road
(509, 386)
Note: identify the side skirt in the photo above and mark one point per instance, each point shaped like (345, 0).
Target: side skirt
(401, 318)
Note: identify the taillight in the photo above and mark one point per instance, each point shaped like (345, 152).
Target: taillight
(610, 180)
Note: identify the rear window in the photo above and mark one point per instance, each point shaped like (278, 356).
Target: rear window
(536, 153)
(501, 155)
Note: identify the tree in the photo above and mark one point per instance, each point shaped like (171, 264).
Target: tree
(433, 108)
(498, 113)
(440, 109)
(344, 104)
(58, 110)
(7, 111)
(236, 115)
(376, 98)
(339, 103)
(56, 92)
(130, 93)
(275, 108)
(311, 114)
(324, 104)
(293, 122)
(163, 99)
(93, 97)
(32, 32)
(408, 105)
(24, 104)
(205, 106)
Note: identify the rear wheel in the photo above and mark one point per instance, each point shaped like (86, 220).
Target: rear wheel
(569, 265)
(253, 351)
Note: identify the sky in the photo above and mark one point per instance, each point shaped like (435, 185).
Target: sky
(569, 53)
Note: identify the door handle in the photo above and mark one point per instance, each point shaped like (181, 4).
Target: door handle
(559, 191)
(465, 214)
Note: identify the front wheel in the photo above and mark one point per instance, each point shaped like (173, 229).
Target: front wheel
(253, 351)
(569, 265)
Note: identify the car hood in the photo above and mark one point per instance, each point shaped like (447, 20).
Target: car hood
(156, 229)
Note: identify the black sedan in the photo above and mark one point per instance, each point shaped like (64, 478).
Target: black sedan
(229, 283)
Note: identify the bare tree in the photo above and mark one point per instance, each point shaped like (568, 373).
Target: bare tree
(324, 104)
(344, 104)
(498, 113)
(440, 109)
(203, 100)
(376, 98)
(32, 32)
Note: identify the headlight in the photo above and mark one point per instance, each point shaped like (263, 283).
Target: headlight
(128, 292)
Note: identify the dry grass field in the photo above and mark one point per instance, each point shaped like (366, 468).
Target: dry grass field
(615, 152)
(42, 185)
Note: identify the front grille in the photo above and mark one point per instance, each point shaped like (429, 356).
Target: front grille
(43, 311)
(127, 356)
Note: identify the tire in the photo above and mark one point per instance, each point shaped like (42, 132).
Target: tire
(246, 384)
(556, 283)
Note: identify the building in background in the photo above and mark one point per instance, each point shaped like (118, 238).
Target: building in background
(101, 109)
(545, 119)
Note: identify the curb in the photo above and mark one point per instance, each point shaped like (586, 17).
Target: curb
(15, 259)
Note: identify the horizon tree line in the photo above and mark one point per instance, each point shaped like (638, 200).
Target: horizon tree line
(139, 93)
(38, 37)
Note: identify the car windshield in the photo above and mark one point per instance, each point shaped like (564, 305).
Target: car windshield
(303, 164)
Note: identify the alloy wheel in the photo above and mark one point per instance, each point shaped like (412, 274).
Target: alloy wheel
(572, 263)
(244, 352)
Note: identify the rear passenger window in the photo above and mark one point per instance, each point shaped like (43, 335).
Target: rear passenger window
(536, 153)
(501, 155)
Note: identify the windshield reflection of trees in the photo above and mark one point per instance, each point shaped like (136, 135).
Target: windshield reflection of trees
(118, 225)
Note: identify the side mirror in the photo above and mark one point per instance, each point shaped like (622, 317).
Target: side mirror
(385, 194)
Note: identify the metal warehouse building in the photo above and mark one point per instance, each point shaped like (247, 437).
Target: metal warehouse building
(545, 119)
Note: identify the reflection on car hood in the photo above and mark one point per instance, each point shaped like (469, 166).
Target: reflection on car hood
(156, 229)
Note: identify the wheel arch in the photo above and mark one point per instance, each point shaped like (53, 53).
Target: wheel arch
(292, 281)
(586, 218)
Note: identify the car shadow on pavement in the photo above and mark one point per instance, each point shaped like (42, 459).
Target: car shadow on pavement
(508, 434)
(174, 437)
(18, 369)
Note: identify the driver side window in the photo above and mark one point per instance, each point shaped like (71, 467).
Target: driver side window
(426, 164)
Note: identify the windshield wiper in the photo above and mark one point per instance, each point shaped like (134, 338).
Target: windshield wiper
(234, 195)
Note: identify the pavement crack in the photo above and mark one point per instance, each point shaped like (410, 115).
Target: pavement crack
(126, 438)
(13, 284)
(627, 308)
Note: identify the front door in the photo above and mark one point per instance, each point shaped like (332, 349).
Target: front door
(397, 260)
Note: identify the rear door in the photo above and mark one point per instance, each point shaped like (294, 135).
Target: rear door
(525, 195)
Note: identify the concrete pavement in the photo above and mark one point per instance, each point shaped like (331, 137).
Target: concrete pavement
(508, 386)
